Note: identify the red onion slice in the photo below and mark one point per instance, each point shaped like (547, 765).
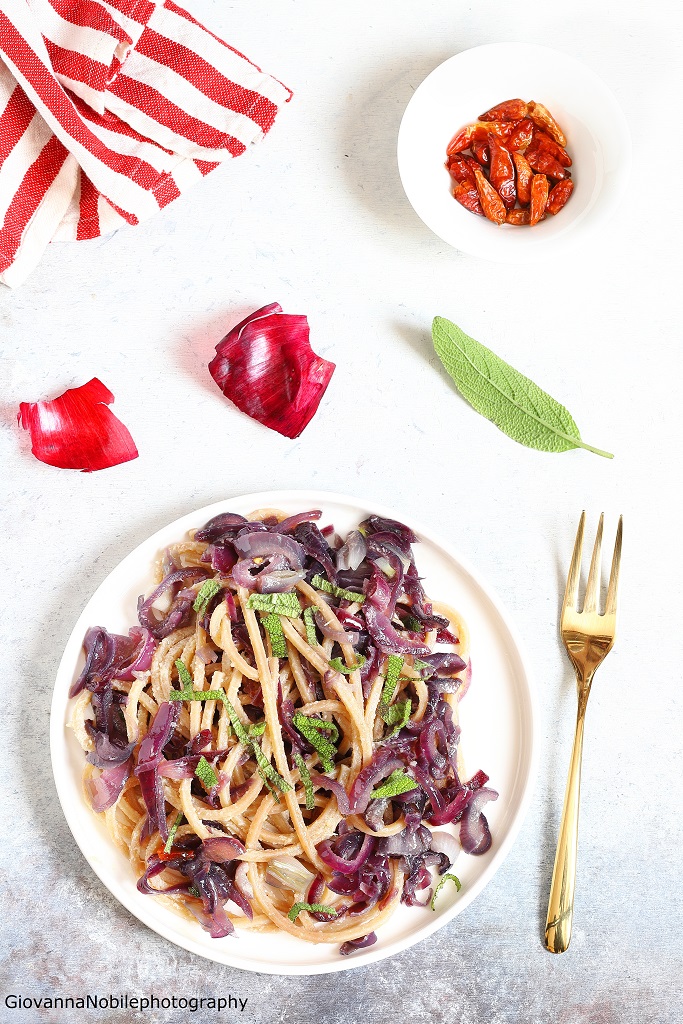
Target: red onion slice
(221, 849)
(444, 842)
(475, 835)
(345, 867)
(105, 790)
(262, 544)
(77, 430)
(266, 366)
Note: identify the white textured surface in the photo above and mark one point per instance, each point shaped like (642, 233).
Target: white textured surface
(316, 220)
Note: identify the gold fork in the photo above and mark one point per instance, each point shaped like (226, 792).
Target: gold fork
(588, 637)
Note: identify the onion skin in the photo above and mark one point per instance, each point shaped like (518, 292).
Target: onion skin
(266, 366)
(77, 430)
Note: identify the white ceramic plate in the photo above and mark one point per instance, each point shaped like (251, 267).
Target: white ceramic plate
(497, 718)
(464, 86)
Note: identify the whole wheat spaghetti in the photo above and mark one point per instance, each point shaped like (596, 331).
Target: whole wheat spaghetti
(275, 746)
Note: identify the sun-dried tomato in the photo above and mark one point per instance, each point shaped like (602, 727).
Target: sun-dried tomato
(482, 153)
(558, 196)
(510, 110)
(491, 203)
(502, 175)
(492, 163)
(523, 178)
(468, 196)
(522, 134)
(541, 116)
(539, 197)
(477, 132)
(460, 170)
(543, 141)
(543, 162)
(517, 217)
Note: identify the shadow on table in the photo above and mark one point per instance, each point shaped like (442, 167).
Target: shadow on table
(368, 132)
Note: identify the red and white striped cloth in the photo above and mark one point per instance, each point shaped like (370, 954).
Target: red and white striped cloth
(109, 110)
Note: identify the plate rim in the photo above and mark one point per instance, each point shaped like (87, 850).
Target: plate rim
(310, 497)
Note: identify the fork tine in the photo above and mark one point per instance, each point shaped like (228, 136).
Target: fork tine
(590, 603)
(572, 588)
(611, 603)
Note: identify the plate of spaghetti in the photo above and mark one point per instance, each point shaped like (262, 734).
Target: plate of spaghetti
(292, 733)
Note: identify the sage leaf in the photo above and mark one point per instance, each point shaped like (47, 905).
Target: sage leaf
(506, 397)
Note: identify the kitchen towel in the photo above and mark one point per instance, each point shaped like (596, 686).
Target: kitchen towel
(109, 110)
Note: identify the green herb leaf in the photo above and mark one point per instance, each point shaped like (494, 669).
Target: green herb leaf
(506, 397)
(271, 789)
(314, 908)
(171, 833)
(396, 715)
(418, 664)
(257, 729)
(446, 878)
(273, 627)
(206, 774)
(338, 665)
(398, 782)
(184, 675)
(309, 729)
(309, 622)
(323, 725)
(413, 624)
(207, 590)
(279, 604)
(330, 588)
(394, 666)
(267, 770)
(306, 779)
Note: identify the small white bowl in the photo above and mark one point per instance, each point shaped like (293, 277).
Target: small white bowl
(455, 93)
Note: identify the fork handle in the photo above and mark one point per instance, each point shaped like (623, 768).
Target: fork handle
(558, 925)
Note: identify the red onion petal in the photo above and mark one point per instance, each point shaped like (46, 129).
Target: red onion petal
(77, 430)
(386, 637)
(262, 544)
(474, 828)
(345, 867)
(444, 842)
(266, 366)
(291, 523)
(105, 790)
(351, 945)
(221, 849)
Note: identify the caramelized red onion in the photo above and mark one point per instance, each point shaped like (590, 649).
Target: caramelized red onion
(352, 552)
(221, 849)
(475, 835)
(180, 608)
(291, 522)
(351, 945)
(149, 758)
(346, 865)
(386, 637)
(105, 790)
(224, 525)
